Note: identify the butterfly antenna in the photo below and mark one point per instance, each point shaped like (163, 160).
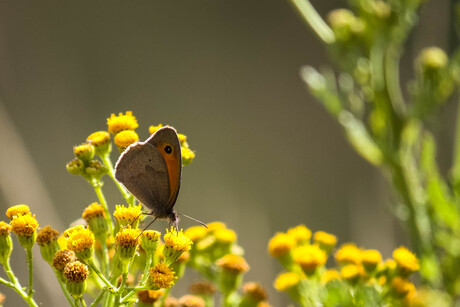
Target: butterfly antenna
(193, 219)
(131, 224)
(147, 227)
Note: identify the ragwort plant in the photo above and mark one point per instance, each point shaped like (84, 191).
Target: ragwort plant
(109, 261)
(388, 125)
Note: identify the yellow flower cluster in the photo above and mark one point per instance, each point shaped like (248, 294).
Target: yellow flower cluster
(356, 268)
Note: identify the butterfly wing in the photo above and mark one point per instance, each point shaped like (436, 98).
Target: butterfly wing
(143, 171)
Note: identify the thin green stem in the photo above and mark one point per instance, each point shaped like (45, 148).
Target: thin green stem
(315, 21)
(99, 297)
(82, 301)
(61, 281)
(30, 266)
(97, 185)
(91, 264)
(456, 156)
(15, 285)
(148, 263)
(76, 302)
(392, 79)
(105, 258)
(164, 297)
(108, 163)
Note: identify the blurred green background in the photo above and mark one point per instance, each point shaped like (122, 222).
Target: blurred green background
(225, 73)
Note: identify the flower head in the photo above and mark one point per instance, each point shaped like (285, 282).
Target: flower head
(233, 263)
(150, 240)
(47, 239)
(255, 291)
(101, 142)
(351, 273)
(310, 258)
(5, 228)
(330, 275)
(216, 225)
(84, 152)
(203, 288)
(153, 129)
(81, 241)
(161, 276)
(149, 297)
(94, 215)
(187, 155)
(325, 241)
(300, 233)
(195, 233)
(75, 167)
(348, 253)
(370, 259)
(126, 242)
(76, 274)
(62, 257)
(402, 286)
(284, 281)
(6, 244)
(125, 138)
(406, 261)
(17, 210)
(121, 122)
(224, 235)
(128, 215)
(281, 244)
(175, 244)
(191, 301)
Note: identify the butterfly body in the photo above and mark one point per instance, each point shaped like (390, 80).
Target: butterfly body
(151, 171)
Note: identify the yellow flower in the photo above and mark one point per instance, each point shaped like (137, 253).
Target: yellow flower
(92, 211)
(351, 272)
(348, 253)
(125, 138)
(76, 274)
(285, 281)
(195, 233)
(150, 240)
(24, 225)
(225, 235)
(175, 244)
(6, 244)
(153, 129)
(310, 257)
(216, 225)
(84, 152)
(187, 155)
(233, 263)
(47, 239)
(149, 297)
(182, 138)
(191, 301)
(402, 286)
(128, 215)
(161, 276)
(5, 228)
(325, 241)
(81, 241)
(98, 138)
(407, 262)
(121, 122)
(301, 234)
(62, 257)
(280, 245)
(330, 275)
(126, 242)
(17, 211)
(75, 167)
(370, 259)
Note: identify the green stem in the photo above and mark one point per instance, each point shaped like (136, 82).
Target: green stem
(76, 302)
(315, 21)
(456, 156)
(108, 163)
(82, 301)
(148, 263)
(99, 297)
(30, 266)
(61, 281)
(128, 296)
(392, 79)
(91, 264)
(97, 185)
(105, 258)
(164, 296)
(15, 285)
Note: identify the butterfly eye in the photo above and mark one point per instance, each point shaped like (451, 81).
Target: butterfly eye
(168, 149)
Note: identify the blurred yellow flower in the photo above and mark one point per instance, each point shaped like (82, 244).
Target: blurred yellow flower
(121, 122)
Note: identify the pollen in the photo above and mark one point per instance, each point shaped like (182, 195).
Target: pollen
(92, 211)
(125, 138)
(280, 244)
(5, 228)
(177, 240)
(406, 260)
(161, 276)
(300, 233)
(24, 225)
(47, 235)
(17, 211)
(79, 238)
(285, 281)
(233, 263)
(121, 122)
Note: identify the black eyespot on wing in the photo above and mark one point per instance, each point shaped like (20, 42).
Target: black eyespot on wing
(168, 149)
